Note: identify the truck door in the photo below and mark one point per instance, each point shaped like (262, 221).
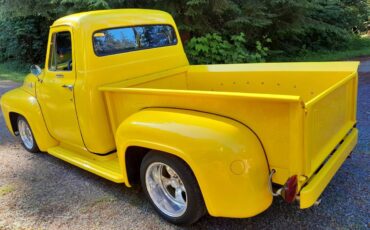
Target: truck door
(55, 91)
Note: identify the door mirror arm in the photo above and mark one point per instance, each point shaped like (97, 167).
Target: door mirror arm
(36, 71)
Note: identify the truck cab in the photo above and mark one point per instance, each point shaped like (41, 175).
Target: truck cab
(78, 63)
(118, 98)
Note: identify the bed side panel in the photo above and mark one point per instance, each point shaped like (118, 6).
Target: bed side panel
(278, 124)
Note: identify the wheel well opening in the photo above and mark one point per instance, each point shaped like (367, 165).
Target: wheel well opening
(13, 121)
(133, 157)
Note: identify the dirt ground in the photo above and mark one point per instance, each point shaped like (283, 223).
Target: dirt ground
(38, 191)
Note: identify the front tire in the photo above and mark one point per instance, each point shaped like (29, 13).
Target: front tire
(27, 138)
(171, 188)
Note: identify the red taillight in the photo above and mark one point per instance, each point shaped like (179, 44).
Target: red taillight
(290, 189)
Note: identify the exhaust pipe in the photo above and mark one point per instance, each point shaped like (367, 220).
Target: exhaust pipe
(317, 202)
(288, 191)
(278, 192)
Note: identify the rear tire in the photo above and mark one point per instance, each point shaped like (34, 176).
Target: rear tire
(27, 138)
(171, 188)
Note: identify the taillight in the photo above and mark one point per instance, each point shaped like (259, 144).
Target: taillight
(289, 191)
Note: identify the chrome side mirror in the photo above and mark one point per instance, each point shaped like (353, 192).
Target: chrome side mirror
(35, 70)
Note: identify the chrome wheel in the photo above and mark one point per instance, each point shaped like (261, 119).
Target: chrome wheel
(25, 133)
(166, 189)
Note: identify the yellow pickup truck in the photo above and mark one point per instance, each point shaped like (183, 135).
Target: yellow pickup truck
(118, 98)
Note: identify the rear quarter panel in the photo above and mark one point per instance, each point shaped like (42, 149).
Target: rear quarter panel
(277, 121)
(225, 156)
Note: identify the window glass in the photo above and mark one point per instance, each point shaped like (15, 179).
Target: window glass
(120, 40)
(60, 58)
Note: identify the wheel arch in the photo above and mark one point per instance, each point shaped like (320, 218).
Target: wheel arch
(134, 155)
(134, 152)
(209, 145)
(13, 122)
(18, 102)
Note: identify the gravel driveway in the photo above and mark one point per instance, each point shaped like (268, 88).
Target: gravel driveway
(38, 191)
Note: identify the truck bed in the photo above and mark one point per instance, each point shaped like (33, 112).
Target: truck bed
(300, 111)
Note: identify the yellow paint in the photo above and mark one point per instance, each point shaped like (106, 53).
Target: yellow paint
(21, 102)
(319, 181)
(93, 71)
(297, 107)
(56, 101)
(229, 123)
(209, 144)
(104, 166)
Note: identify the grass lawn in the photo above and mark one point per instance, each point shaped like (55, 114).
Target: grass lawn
(12, 71)
(359, 47)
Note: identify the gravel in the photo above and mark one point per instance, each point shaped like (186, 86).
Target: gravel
(38, 191)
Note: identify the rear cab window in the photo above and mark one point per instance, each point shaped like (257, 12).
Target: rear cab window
(126, 39)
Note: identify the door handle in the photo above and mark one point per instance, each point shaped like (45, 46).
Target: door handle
(70, 87)
(59, 76)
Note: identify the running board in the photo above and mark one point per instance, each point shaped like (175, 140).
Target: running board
(107, 168)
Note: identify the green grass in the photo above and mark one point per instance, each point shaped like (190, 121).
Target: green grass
(358, 47)
(5, 189)
(13, 71)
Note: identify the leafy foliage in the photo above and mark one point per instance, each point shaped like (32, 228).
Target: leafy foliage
(20, 39)
(214, 31)
(213, 48)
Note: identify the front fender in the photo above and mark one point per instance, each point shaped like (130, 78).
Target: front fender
(225, 156)
(21, 102)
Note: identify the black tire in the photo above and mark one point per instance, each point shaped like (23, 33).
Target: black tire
(33, 148)
(195, 208)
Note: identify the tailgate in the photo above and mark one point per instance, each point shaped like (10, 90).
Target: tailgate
(329, 117)
(312, 191)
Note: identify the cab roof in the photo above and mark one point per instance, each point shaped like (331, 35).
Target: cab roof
(113, 18)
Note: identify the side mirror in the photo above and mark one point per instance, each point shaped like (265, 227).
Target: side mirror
(35, 70)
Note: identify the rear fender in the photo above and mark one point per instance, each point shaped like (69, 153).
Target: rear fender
(225, 156)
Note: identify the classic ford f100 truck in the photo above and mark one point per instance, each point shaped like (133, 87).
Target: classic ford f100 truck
(117, 97)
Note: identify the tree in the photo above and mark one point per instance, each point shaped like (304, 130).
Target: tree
(290, 26)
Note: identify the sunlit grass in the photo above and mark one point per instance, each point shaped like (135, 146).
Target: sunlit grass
(13, 71)
(359, 47)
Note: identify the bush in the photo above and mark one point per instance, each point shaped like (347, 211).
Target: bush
(213, 48)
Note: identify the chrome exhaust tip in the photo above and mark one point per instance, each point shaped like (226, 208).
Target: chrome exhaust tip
(317, 203)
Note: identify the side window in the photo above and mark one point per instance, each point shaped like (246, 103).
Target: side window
(60, 58)
(121, 40)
